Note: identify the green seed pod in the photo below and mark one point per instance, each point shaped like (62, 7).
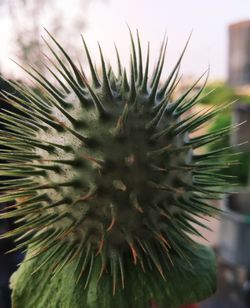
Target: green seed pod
(105, 179)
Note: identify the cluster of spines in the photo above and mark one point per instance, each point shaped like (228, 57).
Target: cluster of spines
(20, 163)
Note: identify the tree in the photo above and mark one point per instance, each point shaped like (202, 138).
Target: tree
(64, 19)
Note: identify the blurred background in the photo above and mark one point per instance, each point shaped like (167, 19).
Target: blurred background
(220, 40)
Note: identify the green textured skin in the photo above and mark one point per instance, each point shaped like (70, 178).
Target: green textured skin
(107, 183)
(182, 286)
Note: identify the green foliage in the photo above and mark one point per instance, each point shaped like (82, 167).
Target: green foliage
(106, 181)
(223, 93)
(239, 170)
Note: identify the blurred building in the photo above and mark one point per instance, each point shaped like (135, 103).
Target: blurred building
(239, 54)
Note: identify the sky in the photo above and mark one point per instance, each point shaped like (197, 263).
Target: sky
(208, 21)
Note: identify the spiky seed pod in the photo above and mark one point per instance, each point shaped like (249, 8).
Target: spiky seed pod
(103, 172)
